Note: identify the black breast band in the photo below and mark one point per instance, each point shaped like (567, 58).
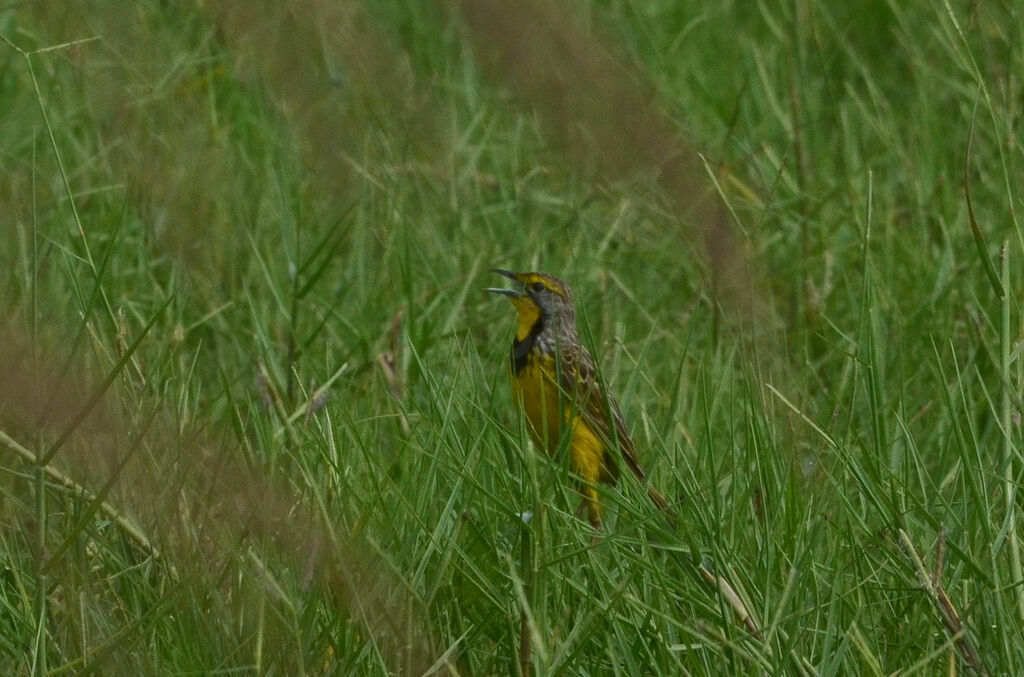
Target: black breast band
(521, 349)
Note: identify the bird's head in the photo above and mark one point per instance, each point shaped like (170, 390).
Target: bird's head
(542, 298)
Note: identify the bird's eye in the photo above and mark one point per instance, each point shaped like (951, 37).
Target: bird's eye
(537, 287)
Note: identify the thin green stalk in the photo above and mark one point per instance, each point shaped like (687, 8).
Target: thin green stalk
(526, 567)
(39, 605)
(39, 664)
(1005, 413)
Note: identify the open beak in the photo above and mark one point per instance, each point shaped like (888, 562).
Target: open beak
(506, 292)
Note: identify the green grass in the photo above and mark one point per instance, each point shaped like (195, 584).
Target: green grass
(222, 220)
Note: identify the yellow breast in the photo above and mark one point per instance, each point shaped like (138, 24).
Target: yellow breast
(548, 414)
(535, 388)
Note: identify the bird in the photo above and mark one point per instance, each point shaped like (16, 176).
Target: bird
(555, 382)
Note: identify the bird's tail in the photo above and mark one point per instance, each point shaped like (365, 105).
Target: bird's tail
(662, 503)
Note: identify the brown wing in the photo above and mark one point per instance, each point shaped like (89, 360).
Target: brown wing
(579, 381)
